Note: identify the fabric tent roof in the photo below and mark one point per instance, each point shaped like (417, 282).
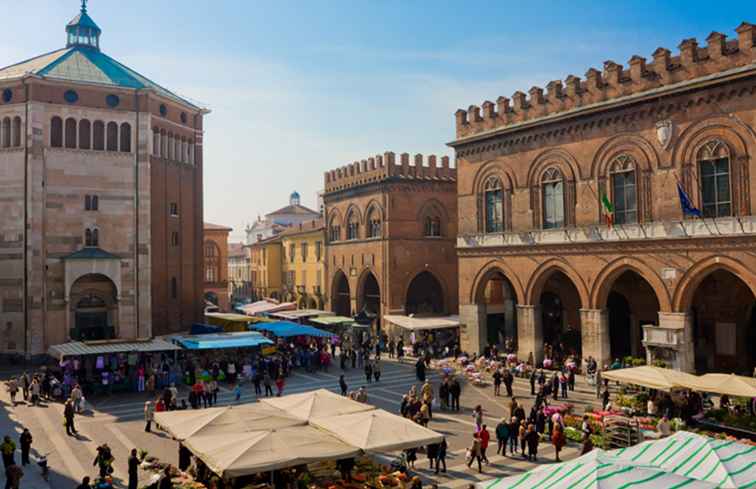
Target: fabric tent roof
(730, 384)
(316, 404)
(328, 320)
(596, 470)
(261, 307)
(225, 316)
(285, 329)
(300, 313)
(218, 341)
(77, 348)
(651, 377)
(237, 454)
(224, 420)
(377, 430)
(415, 323)
(725, 463)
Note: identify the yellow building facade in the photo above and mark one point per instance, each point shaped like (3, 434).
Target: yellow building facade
(303, 265)
(265, 268)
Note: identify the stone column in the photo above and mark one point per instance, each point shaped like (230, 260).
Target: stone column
(473, 332)
(635, 335)
(594, 325)
(510, 319)
(682, 324)
(529, 333)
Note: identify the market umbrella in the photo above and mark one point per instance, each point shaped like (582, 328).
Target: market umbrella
(596, 470)
(228, 419)
(237, 454)
(316, 404)
(730, 384)
(726, 463)
(651, 377)
(377, 430)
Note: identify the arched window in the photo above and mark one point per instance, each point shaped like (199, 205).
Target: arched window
(169, 144)
(432, 226)
(16, 132)
(353, 226)
(191, 152)
(624, 189)
(212, 263)
(334, 230)
(98, 136)
(493, 201)
(56, 132)
(126, 137)
(5, 137)
(177, 149)
(85, 134)
(552, 184)
(71, 133)
(714, 178)
(163, 144)
(373, 223)
(112, 136)
(91, 237)
(156, 142)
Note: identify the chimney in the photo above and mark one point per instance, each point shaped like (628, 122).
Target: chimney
(473, 113)
(594, 80)
(612, 73)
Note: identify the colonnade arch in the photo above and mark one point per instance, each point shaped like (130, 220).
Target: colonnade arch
(341, 303)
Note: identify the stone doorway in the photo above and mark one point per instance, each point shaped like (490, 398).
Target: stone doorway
(95, 308)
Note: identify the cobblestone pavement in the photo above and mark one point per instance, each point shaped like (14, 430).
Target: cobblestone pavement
(118, 421)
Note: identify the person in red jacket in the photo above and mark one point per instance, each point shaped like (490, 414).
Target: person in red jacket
(485, 437)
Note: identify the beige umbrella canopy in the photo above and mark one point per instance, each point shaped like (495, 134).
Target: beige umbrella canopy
(238, 454)
(228, 419)
(315, 404)
(377, 430)
(652, 377)
(730, 384)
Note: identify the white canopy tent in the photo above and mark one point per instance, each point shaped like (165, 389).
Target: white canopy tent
(651, 377)
(377, 431)
(423, 323)
(315, 404)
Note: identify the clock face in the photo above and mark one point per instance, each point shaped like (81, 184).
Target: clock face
(71, 96)
(163, 110)
(112, 100)
(7, 95)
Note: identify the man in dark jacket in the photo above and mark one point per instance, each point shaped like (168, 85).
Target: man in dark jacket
(455, 390)
(26, 441)
(532, 382)
(133, 469)
(441, 455)
(68, 414)
(420, 370)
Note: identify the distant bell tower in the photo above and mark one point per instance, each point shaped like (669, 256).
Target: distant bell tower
(294, 199)
(82, 31)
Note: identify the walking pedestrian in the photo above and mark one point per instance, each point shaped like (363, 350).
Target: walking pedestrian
(485, 438)
(13, 475)
(68, 414)
(514, 427)
(25, 383)
(25, 440)
(8, 449)
(104, 460)
(13, 390)
(35, 390)
(532, 439)
(76, 397)
(502, 436)
(279, 385)
(420, 369)
(343, 385)
(497, 381)
(605, 398)
(149, 415)
(474, 453)
(455, 390)
(369, 372)
(508, 380)
(377, 370)
(532, 382)
(443, 394)
(521, 432)
(571, 379)
(267, 383)
(431, 451)
(563, 384)
(477, 415)
(427, 394)
(133, 469)
(441, 455)
(558, 440)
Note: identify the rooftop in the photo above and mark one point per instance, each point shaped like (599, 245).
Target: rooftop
(216, 227)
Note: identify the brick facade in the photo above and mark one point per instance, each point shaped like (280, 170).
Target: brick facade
(216, 265)
(378, 212)
(591, 285)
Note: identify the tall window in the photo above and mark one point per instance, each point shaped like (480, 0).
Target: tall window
(373, 224)
(98, 136)
(91, 237)
(353, 226)
(318, 250)
(494, 205)
(624, 190)
(174, 238)
(432, 226)
(552, 184)
(71, 133)
(212, 262)
(714, 177)
(334, 232)
(292, 252)
(126, 137)
(173, 209)
(91, 203)
(304, 251)
(85, 134)
(112, 141)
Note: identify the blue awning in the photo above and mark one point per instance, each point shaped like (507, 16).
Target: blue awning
(217, 341)
(199, 328)
(284, 329)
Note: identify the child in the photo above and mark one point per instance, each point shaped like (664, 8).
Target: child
(237, 392)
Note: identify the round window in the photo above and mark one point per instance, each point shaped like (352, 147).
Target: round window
(163, 110)
(71, 96)
(112, 100)
(7, 95)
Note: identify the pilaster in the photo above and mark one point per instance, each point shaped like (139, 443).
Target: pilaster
(473, 331)
(529, 333)
(594, 324)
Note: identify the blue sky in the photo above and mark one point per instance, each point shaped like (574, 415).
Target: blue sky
(298, 88)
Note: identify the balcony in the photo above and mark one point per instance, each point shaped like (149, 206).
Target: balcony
(688, 228)
(662, 337)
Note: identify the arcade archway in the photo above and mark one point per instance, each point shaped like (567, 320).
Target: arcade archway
(94, 308)
(425, 296)
(498, 297)
(560, 316)
(340, 297)
(631, 303)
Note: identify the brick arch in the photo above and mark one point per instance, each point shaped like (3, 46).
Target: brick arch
(494, 168)
(335, 217)
(541, 274)
(353, 209)
(690, 281)
(735, 134)
(374, 205)
(487, 270)
(560, 158)
(604, 282)
(363, 276)
(417, 271)
(641, 150)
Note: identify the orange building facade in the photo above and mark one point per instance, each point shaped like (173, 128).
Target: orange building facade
(215, 247)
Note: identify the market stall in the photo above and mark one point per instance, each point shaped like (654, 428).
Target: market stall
(652, 377)
(437, 336)
(301, 316)
(729, 384)
(221, 341)
(286, 329)
(266, 306)
(346, 328)
(316, 404)
(110, 365)
(231, 322)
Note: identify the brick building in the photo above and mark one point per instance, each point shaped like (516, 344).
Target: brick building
(391, 228)
(215, 247)
(100, 219)
(537, 259)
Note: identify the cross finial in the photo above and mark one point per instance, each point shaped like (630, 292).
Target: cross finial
(84, 6)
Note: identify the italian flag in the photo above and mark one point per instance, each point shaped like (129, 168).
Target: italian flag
(608, 210)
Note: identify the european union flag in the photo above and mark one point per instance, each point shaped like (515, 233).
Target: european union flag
(685, 204)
